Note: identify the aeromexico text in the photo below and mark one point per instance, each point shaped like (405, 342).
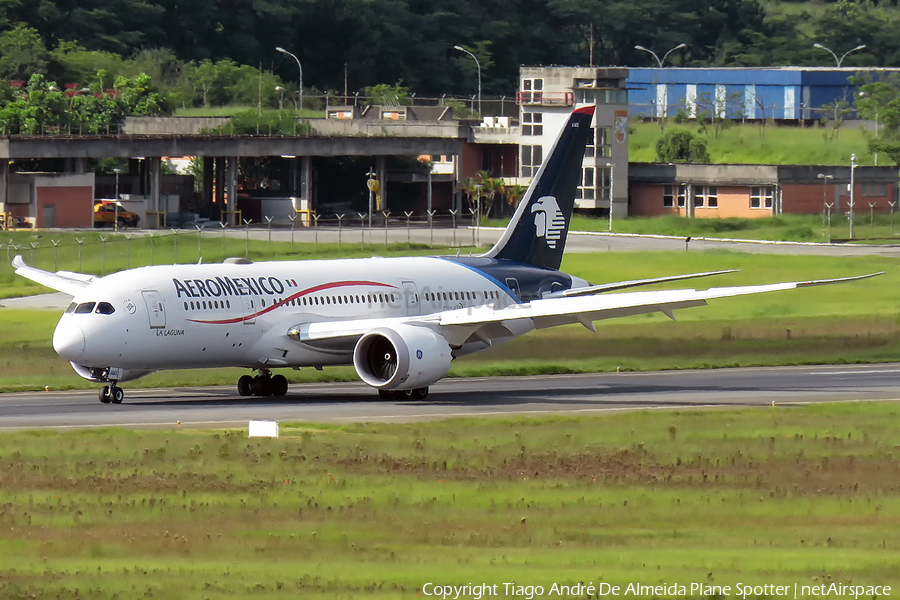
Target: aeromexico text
(228, 286)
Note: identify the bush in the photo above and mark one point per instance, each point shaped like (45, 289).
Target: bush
(680, 145)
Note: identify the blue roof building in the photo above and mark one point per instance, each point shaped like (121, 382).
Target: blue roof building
(742, 92)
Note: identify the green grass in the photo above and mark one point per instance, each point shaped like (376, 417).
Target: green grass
(869, 228)
(774, 495)
(856, 322)
(753, 144)
(118, 252)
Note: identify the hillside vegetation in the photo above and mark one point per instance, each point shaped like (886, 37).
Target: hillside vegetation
(771, 145)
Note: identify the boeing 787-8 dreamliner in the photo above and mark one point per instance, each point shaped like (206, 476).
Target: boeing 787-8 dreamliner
(399, 321)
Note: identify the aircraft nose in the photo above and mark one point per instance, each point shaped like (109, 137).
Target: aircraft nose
(68, 341)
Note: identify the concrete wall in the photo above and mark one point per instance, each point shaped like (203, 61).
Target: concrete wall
(381, 128)
(171, 125)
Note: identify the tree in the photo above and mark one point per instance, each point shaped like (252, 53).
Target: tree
(22, 53)
(387, 94)
(680, 145)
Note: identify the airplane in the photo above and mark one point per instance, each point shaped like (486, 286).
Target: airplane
(399, 321)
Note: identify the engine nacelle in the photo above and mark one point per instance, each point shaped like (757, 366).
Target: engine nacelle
(401, 358)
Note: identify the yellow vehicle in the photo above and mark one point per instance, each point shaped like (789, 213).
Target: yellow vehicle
(106, 214)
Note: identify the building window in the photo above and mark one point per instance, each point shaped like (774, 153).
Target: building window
(704, 195)
(532, 123)
(604, 141)
(590, 150)
(532, 156)
(874, 189)
(588, 188)
(532, 91)
(762, 196)
(669, 196)
(698, 198)
(682, 195)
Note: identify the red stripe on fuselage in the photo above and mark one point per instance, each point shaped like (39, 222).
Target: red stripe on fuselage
(312, 290)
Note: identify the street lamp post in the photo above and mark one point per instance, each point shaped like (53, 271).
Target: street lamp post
(844, 55)
(477, 64)
(865, 95)
(852, 190)
(299, 66)
(824, 179)
(665, 56)
(116, 203)
(612, 179)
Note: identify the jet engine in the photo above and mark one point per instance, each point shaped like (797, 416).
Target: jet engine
(404, 357)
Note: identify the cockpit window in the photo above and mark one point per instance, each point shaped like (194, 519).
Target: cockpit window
(85, 307)
(105, 308)
(71, 308)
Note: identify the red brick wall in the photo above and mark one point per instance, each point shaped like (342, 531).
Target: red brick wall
(74, 205)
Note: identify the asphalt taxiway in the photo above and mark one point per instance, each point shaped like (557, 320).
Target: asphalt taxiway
(587, 394)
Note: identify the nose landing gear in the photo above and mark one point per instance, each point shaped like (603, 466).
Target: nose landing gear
(264, 384)
(111, 393)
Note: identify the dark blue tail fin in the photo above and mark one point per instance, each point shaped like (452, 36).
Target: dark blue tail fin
(536, 235)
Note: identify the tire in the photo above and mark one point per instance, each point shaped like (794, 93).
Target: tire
(116, 394)
(386, 394)
(245, 385)
(262, 386)
(122, 223)
(420, 393)
(104, 394)
(279, 385)
(404, 394)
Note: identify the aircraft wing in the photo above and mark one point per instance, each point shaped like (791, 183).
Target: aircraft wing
(621, 285)
(481, 322)
(61, 281)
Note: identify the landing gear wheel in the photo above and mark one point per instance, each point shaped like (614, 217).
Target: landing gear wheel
(262, 385)
(420, 393)
(116, 394)
(386, 394)
(404, 394)
(245, 385)
(279, 385)
(104, 394)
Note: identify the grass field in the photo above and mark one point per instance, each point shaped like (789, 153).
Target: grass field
(753, 144)
(857, 322)
(869, 228)
(761, 496)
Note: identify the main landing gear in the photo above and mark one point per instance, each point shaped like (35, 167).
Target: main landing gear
(414, 394)
(264, 384)
(111, 393)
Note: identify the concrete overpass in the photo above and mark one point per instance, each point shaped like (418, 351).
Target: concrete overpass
(171, 137)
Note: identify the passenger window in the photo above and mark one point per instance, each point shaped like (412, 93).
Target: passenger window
(105, 308)
(85, 308)
(71, 308)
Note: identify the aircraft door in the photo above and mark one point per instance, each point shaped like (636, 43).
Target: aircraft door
(513, 284)
(411, 294)
(250, 303)
(155, 309)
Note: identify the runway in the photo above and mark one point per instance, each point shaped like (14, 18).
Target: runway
(589, 394)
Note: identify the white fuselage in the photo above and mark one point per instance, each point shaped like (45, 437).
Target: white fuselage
(187, 316)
